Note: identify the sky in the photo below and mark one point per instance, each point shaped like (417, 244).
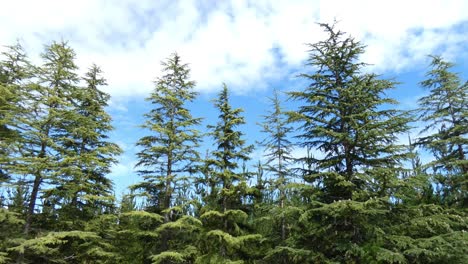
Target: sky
(252, 46)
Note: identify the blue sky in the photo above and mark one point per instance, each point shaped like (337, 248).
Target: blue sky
(252, 46)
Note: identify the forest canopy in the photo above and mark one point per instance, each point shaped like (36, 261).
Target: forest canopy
(368, 199)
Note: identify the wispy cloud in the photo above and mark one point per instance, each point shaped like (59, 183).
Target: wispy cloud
(242, 43)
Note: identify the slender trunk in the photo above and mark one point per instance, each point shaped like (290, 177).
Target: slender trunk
(167, 202)
(34, 191)
(32, 203)
(282, 195)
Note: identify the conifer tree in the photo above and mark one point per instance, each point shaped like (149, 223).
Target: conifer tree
(344, 116)
(278, 149)
(422, 229)
(231, 151)
(226, 237)
(42, 123)
(82, 189)
(445, 110)
(169, 155)
(15, 72)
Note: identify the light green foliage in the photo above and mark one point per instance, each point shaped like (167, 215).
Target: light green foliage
(276, 221)
(136, 237)
(168, 257)
(10, 229)
(45, 105)
(66, 247)
(82, 189)
(14, 74)
(227, 183)
(224, 221)
(186, 255)
(428, 233)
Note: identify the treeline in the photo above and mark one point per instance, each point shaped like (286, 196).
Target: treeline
(367, 199)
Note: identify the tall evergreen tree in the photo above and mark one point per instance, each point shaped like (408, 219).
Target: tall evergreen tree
(82, 189)
(169, 155)
(344, 116)
(278, 147)
(279, 160)
(445, 110)
(224, 221)
(47, 103)
(15, 72)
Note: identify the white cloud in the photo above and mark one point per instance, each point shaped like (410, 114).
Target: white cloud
(241, 43)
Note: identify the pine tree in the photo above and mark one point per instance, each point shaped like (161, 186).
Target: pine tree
(169, 155)
(416, 186)
(283, 214)
(445, 109)
(420, 228)
(226, 237)
(42, 123)
(14, 74)
(278, 150)
(82, 189)
(344, 116)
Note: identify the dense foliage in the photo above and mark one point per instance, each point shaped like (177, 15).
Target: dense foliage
(364, 197)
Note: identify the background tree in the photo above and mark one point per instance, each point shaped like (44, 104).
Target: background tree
(445, 111)
(281, 214)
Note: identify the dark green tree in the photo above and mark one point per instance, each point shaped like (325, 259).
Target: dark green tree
(445, 111)
(225, 220)
(345, 115)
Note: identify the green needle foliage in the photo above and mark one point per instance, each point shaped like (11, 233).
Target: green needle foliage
(169, 154)
(346, 117)
(82, 189)
(283, 214)
(168, 158)
(231, 151)
(356, 196)
(224, 222)
(14, 73)
(47, 102)
(445, 111)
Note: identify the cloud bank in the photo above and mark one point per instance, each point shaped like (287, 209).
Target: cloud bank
(246, 44)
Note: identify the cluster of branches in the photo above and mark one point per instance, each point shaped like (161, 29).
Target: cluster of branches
(365, 197)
